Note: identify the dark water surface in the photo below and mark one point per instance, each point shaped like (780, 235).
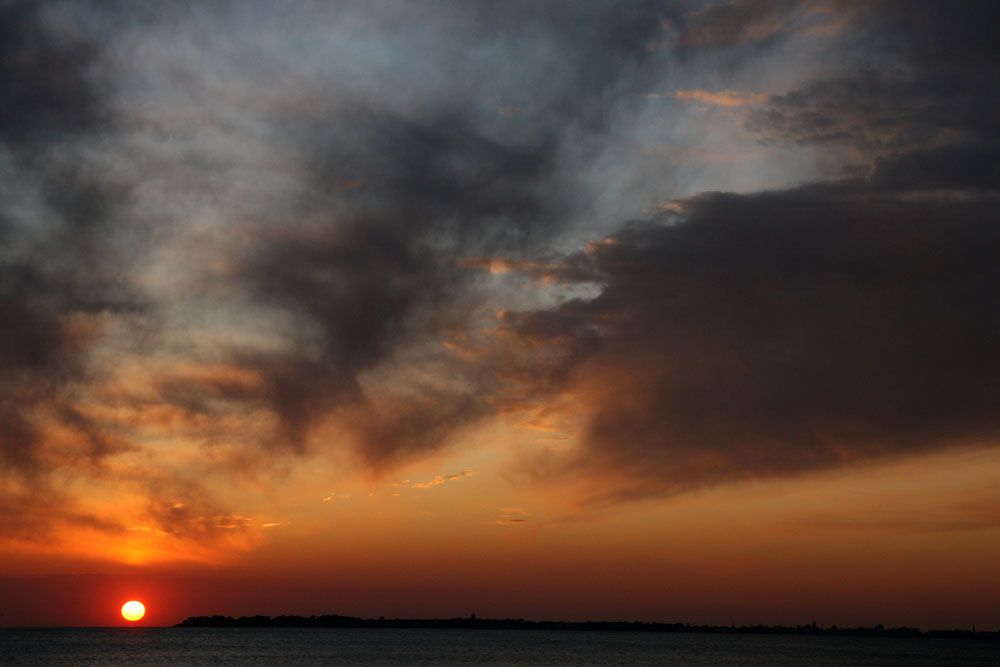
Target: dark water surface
(320, 646)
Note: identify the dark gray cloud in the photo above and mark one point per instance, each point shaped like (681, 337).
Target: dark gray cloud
(928, 78)
(420, 189)
(774, 333)
(50, 89)
(727, 24)
(833, 323)
(56, 272)
(373, 280)
(781, 332)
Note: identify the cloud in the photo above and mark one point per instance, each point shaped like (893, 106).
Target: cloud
(979, 514)
(59, 276)
(437, 481)
(721, 98)
(378, 270)
(199, 523)
(735, 23)
(51, 87)
(186, 519)
(378, 278)
(943, 93)
(780, 332)
(775, 333)
(29, 517)
(512, 516)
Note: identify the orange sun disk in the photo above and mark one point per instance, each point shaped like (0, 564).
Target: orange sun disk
(133, 610)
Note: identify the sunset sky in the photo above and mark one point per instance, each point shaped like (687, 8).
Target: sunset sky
(675, 311)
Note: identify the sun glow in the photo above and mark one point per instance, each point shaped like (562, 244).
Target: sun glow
(133, 610)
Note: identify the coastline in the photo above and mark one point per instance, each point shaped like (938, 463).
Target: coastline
(473, 623)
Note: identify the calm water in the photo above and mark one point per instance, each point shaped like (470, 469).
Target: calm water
(305, 647)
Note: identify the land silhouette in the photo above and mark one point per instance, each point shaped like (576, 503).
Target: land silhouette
(473, 623)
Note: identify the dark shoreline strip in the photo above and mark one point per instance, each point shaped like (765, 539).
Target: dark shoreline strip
(472, 623)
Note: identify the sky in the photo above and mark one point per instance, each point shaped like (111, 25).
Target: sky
(670, 311)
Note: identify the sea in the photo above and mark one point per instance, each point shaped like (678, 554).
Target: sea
(304, 647)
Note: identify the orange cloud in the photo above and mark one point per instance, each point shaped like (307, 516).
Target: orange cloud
(437, 481)
(719, 98)
(512, 516)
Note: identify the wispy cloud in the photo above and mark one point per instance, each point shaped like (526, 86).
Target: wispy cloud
(719, 98)
(512, 516)
(431, 483)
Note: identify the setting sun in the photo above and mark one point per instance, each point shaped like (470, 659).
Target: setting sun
(133, 610)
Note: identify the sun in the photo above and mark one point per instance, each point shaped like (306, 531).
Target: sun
(133, 610)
